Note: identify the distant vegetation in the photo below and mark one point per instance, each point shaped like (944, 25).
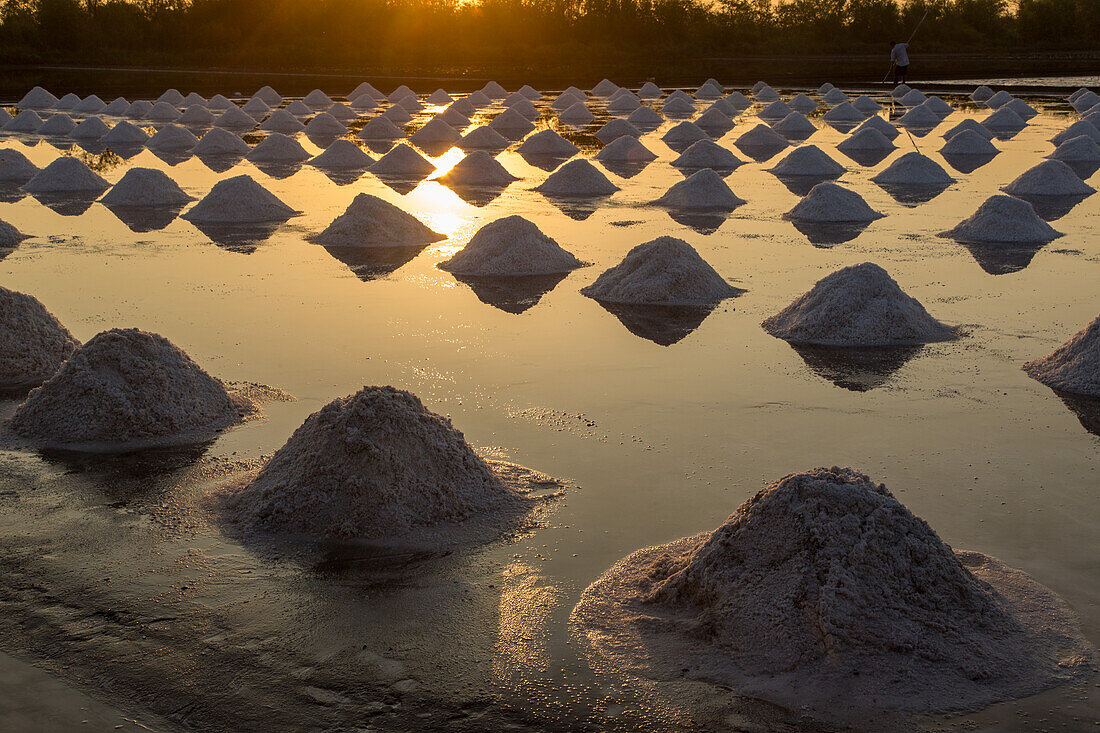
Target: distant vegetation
(565, 34)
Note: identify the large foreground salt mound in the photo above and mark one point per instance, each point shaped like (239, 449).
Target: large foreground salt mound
(127, 388)
(238, 200)
(510, 247)
(857, 306)
(1073, 367)
(823, 591)
(1003, 219)
(375, 465)
(664, 271)
(371, 222)
(33, 343)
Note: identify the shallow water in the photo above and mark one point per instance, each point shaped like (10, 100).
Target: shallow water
(119, 579)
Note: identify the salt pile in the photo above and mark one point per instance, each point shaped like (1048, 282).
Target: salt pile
(145, 187)
(483, 138)
(298, 109)
(968, 142)
(1077, 94)
(363, 103)
(510, 247)
(325, 125)
(577, 178)
(171, 97)
(127, 388)
(615, 129)
(410, 104)
(238, 200)
(684, 133)
(90, 105)
(26, 121)
(371, 222)
(828, 202)
(702, 190)
(795, 126)
(808, 160)
(400, 93)
(511, 123)
(758, 86)
(865, 139)
(802, 103)
(15, 167)
(524, 108)
(625, 102)
(397, 114)
(37, 98)
(968, 124)
(625, 149)
(342, 155)
(67, 102)
(278, 148)
(219, 142)
(844, 112)
(918, 117)
(341, 112)
(650, 90)
(464, 107)
(378, 465)
(530, 92)
(565, 100)
(664, 271)
(1003, 219)
(913, 98)
(576, 115)
(479, 99)
(715, 122)
(1021, 108)
(139, 109)
(1004, 120)
(193, 98)
(59, 124)
(940, 107)
(834, 97)
(440, 97)
(824, 592)
(402, 161)
(92, 128)
(900, 91)
(548, 143)
(761, 136)
(866, 105)
(493, 90)
(1049, 178)
(172, 137)
(1084, 100)
(5, 118)
(676, 107)
(914, 169)
(381, 129)
(707, 154)
(825, 88)
(10, 237)
(776, 111)
(197, 115)
(454, 118)
(162, 112)
(317, 100)
(66, 175)
(33, 343)
(877, 123)
(1078, 128)
(270, 97)
(1074, 367)
(604, 89)
(981, 94)
(479, 168)
(645, 117)
(738, 100)
(709, 90)
(766, 94)
(235, 118)
(219, 103)
(1082, 149)
(857, 306)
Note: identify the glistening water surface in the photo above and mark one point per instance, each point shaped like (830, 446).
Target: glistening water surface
(118, 578)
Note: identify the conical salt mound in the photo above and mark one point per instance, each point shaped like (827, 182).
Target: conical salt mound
(479, 99)
(317, 100)
(510, 247)
(400, 93)
(92, 128)
(882, 126)
(702, 190)
(761, 136)
(834, 97)
(270, 97)
(625, 102)
(342, 155)
(1074, 367)
(866, 105)
(664, 271)
(914, 169)
(709, 91)
(1022, 108)
(218, 102)
(1078, 128)
(615, 129)
(900, 91)
(381, 128)
(676, 107)
(282, 121)
(795, 126)
(707, 154)
(440, 97)
(58, 124)
(981, 94)
(278, 148)
(650, 90)
(198, 115)
(576, 115)
(454, 118)
(684, 133)
(605, 89)
(760, 85)
(512, 124)
(646, 117)
(565, 100)
(340, 111)
(1082, 149)
(1084, 101)
(844, 112)
(298, 109)
(912, 98)
(530, 92)
(125, 133)
(825, 88)
(66, 175)
(403, 161)
(25, 121)
(483, 138)
(1049, 178)
(363, 103)
(145, 187)
(15, 167)
(219, 142)
(493, 90)
(1003, 219)
(738, 100)
(68, 102)
(968, 124)
(479, 168)
(371, 222)
(715, 122)
(577, 178)
(236, 118)
(940, 107)
(968, 142)
(1004, 120)
(802, 103)
(10, 237)
(325, 125)
(866, 138)
(37, 98)
(776, 111)
(523, 107)
(828, 202)
(857, 306)
(549, 143)
(193, 98)
(33, 344)
(376, 465)
(824, 592)
(163, 112)
(238, 200)
(918, 117)
(172, 137)
(366, 89)
(139, 109)
(808, 160)
(90, 105)
(766, 95)
(127, 388)
(625, 149)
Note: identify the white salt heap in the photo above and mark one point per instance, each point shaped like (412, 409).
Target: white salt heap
(342, 112)
(440, 97)
(371, 222)
(823, 592)
(664, 271)
(802, 103)
(15, 167)
(325, 125)
(834, 97)
(512, 124)
(298, 109)
(139, 109)
(1073, 367)
(1004, 120)
(877, 123)
(615, 129)
(624, 102)
(866, 105)
(914, 169)
(547, 142)
(566, 99)
(776, 111)
(378, 465)
(26, 121)
(256, 108)
(844, 112)
(576, 115)
(435, 132)
(193, 98)
(1082, 149)
(968, 124)
(738, 100)
(397, 114)
(761, 136)
(1085, 101)
(795, 125)
(918, 117)
(1003, 219)
(127, 388)
(1049, 178)
(10, 237)
(67, 102)
(645, 116)
(825, 88)
(479, 99)
(808, 160)
(828, 202)
(702, 190)
(968, 142)
(605, 88)
(363, 103)
(58, 124)
(172, 137)
(479, 168)
(1078, 128)
(33, 344)
(37, 98)
(900, 91)
(282, 121)
(218, 103)
(92, 128)
(981, 94)
(483, 138)
(403, 161)
(625, 149)
(677, 107)
(90, 105)
(381, 128)
(715, 121)
(317, 100)
(857, 306)
(577, 178)
(197, 115)
(218, 142)
(235, 118)
(162, 112)
(493, 90)
(684, 133)
(707, 154)
(510, 247)
(912, 98)
(342, 155)
(238, 200)
(940, 107)
(650, 90)
(530, 92)
(865, 139)
(1022, 108)
(66, 175)
(400, 93)
(278, 148)
(145, 187)
(5, 117)
(454, 118)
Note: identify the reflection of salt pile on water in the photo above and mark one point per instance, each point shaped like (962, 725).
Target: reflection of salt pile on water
(238, 200)
(795, 599)
(219, 142)
(127, 388)
(1003, 219)
(371, 222)
(808, 160)
(378, 465)
(510, 247)
(548, 143)
(664, 271)
(33, 343)
(577, 178)
(342, 155)
(702, 190)
(145, 187)
(66, 175)
(1074, 367)
(914, 169)
(1049, 178)
(478, 169)
(707, 154)
(828, 202)
(857, 306)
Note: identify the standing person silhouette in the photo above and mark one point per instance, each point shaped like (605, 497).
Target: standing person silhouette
(899, 56)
